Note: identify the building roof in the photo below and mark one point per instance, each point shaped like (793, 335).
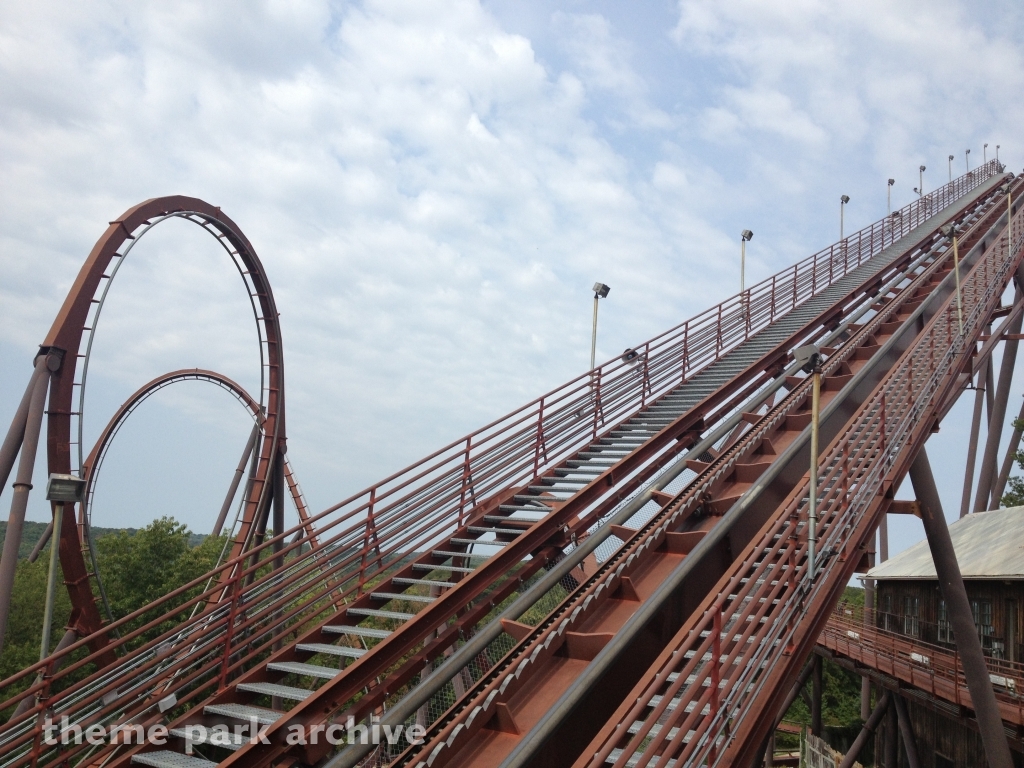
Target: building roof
(988, 545)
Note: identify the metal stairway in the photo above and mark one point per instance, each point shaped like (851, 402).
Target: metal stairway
(301, 645)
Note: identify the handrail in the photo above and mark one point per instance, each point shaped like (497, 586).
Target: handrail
(936, 669)
(418, 505)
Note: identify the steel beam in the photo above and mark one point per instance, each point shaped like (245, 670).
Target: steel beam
(1011, 450)
(9, 450)
(906, 731)
(22, 486)
(865, 733)
(236, 479)
(980, 386)
(995, 423)
(965, 633)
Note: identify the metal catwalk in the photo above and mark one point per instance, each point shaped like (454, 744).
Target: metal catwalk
(615, 573)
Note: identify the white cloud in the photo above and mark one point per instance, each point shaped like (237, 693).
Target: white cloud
(433, 198)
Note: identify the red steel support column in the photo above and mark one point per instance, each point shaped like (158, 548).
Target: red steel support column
(995, 423)
(972, 444)
(951, 584)
(906, 731)
(9, 450)
(22, 485)
(1011, 450)
(869, 727)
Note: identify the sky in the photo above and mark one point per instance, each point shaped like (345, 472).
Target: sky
(433, 187)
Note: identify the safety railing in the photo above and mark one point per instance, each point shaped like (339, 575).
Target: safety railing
(723, 661)
(926, 666)
(373, 531)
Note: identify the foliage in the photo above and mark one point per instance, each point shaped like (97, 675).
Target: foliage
(1014, 497)
(137, 567)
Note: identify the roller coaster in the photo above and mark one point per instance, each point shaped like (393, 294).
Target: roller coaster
(626, 571)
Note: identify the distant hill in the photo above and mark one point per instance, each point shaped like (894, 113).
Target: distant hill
(31, 532)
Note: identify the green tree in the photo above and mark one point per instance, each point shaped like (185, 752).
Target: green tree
(1014, 497)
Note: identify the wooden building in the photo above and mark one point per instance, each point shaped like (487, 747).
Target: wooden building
(990, 551)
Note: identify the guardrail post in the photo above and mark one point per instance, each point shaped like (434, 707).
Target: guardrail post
(467, 477)
(686, 349)
(236, 599)
(538, 441)
(371, 531)
(645, 382)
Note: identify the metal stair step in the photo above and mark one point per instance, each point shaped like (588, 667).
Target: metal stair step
(427, 582)
(444, 553)
(380, 614)
(298, 668)
(222, 739)
(496, 531)
(340, 629)
(453, 568)
(402, 596)
(331, 650)
(471, 542)
(164, 758)
(244, 712)
(273, 689)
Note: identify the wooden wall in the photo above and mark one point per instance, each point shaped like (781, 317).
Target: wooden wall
(1007, 599)
(938, 737)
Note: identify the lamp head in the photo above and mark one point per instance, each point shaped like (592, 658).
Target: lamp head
(984, 146)
(950, 157)
(601, 290)
(809, 356)
(922, 169)
(967, 151)
(844, 199)
(915, 189)
(891, 182)
(949, 230)
(65, 488)
(746, 234)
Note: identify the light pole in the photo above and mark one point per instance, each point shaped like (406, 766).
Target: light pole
(600, 292)
(950, 231)
(810, 355)
(967, 160)
(745, 236)
(984, 153)
(920, 182)
(950, 169)
(842, 206)
(60, 489)
(888, 197)
(997, 153)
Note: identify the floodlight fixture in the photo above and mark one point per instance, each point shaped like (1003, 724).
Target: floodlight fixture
(809, 356)
(65, 488)
(746, 234)
(891, 182)
(601, 290)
